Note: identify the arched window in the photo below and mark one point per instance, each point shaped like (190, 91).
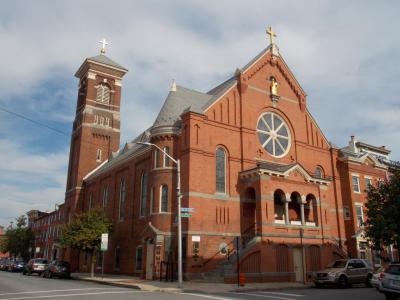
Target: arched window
(166, 158)
(319, 172)
(295, 208)
(121, 199)
(310, 210)
(103, 93)
(164, 198)
(143, 194)
(156, 158)
(220, 180)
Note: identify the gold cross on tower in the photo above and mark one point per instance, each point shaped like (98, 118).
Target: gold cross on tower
(271, 35)
(103, 48)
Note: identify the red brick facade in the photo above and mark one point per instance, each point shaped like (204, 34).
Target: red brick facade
(287, 193)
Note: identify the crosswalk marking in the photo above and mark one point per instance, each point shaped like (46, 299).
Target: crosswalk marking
(282, 294)
(73, 295)
(210, 297)
(264, 296)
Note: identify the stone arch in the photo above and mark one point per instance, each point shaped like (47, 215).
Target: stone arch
(310, 209)
(295, 207)
(279, 206)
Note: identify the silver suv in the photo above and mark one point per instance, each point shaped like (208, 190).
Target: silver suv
(344, 272)
(390, 282)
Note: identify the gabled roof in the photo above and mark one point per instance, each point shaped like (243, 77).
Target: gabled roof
(102, 59)
(177, 102)
(282, 170)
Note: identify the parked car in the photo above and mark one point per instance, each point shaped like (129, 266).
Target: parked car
(16, 266)
(3, 263)
(390, 282)
(376, 277)
(57, 268)
(35, 265)
(344, 272)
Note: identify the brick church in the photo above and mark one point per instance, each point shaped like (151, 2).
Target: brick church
(254, 165)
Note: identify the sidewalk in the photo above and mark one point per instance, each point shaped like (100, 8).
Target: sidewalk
(188, 286)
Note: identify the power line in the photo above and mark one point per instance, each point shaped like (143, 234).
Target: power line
(41, 124)
(33, 121)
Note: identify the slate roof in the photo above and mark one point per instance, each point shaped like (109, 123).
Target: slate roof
(177, 102)
(102, 59)
(275, 167)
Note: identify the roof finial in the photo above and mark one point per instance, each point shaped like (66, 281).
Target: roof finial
(103, 47)
(173, 86)
(271, 35)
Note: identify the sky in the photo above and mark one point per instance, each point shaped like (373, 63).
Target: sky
(345, 55)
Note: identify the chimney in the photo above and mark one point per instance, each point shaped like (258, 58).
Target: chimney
(352, 144)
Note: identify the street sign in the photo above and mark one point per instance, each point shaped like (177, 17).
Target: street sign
(187, 209)
(185, 215)
(104, 242)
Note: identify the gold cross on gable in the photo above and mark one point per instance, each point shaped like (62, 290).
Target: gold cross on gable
(271, 34)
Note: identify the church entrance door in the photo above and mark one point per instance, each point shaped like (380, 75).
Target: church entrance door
(298, 264)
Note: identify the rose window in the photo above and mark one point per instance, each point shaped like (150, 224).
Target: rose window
(273, 134)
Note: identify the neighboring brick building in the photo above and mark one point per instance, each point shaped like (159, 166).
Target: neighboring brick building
(254, 164)
(2, 235)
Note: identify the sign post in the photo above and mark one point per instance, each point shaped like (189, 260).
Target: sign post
(103, 248)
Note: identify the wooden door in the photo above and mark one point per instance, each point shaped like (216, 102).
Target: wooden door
(298, 264)
(149, 261)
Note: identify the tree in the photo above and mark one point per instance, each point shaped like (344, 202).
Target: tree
(18, 240)
(84, 233)
(383, 213)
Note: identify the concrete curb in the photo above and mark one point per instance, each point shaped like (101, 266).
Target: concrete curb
(110, 283)
(152, 288)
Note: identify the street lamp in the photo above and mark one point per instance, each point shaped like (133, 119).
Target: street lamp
(179, 195)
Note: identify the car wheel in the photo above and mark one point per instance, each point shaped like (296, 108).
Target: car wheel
(343, 282)
(368, 281)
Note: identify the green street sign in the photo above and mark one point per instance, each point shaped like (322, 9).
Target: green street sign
(104, 242)
(185, 215)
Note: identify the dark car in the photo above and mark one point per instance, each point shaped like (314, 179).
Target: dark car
(57, 268)
(16, 266)
(3, 264)
(35, 265)
(390, 282)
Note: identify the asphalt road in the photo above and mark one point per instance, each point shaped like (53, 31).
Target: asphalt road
(14, 286)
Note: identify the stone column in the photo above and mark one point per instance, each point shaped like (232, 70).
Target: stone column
(303, 201)
(287, 200)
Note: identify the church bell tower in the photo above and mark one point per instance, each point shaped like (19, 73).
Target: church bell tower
(96, 128)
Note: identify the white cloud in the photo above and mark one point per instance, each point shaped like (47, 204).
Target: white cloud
(345, 56)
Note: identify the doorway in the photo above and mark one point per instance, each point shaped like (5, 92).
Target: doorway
(149, 260)
(248, 220)
(298, 264)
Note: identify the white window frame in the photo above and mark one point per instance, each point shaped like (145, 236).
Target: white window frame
(369, 179)
(362, 215)
(165, 157)
(156, 158)
(160, 208)
(225, 169)
(358, 191)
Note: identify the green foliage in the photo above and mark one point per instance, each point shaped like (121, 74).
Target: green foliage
(383, 214)
(84, 231)
(17, 240)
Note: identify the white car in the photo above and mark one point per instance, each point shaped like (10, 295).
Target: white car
(390, 282)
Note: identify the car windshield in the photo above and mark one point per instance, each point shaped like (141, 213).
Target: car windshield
(41, 261)
(337, 264)
(394, 270)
